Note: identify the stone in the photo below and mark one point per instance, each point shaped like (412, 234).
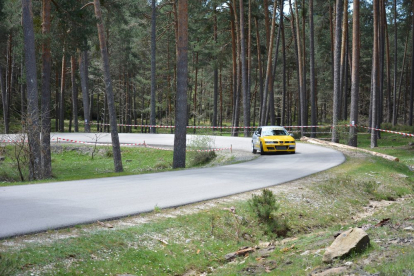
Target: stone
(409, 229)
(266, 252)
(354, 240)
(331, 271)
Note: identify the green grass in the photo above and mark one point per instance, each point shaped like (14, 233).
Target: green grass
(200, 241)
(74, 163)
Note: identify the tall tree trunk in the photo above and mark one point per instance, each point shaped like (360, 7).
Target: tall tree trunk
(116, 149)
(283, 113)
(215, 73)
(153, 64)
(182, 75)
(195, 90)
(236, 96)
(271, 106)
(345, 91)
(410, 115)
(302, 90)
(381, 53)
(245, 90)
(353, 138)
(33, 128)
(4, 100)
(62, 94)
(83, 72)
(74, 94)
(389, 101)
(234, 58)
(312, 70)
(375, 76)
(397, 101)
(267, 21)
(337, 69)
(9, 75)
(268, 70)
(22, 92)
(343, 60)
(331, 31)
(259, 65)
(394, 106)
(249, 55)
(298, 75)
(46, 93)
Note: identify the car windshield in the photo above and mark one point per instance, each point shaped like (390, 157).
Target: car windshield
(274, 132)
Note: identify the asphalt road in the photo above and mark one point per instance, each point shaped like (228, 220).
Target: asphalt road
(34, 208)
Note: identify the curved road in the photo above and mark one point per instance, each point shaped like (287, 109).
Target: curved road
(34, 208)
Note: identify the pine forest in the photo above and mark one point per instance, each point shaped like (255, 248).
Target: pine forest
(134, 66)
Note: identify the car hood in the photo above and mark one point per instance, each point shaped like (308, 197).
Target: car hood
(278, 138)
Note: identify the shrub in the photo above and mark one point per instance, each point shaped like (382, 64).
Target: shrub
(264, 206)
(197, 145)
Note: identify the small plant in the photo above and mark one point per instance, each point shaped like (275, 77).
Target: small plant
(370, 187)
(157, 209)
(201, 150)
(95, 138)
(19, 154)
(7, 266)
(264, 206)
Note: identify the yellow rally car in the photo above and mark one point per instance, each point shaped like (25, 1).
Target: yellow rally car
(273, 139)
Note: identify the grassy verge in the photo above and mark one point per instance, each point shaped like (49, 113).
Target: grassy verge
(195, 239)
(73, 162)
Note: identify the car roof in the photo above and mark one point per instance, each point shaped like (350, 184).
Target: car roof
(272, 127)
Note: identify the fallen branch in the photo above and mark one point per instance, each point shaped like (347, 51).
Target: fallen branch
(321, 142)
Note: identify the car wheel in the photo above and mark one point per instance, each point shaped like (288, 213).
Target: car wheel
(254, 151)
(261, 149)
(293, 152)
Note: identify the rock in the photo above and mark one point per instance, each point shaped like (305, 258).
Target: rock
(265, 267)
(265, 252)
(306, 253)
(409, 229)
(241, 252)
(191, 273)
(332, 271)
(2, 158)
(264, 244)
(352, 241)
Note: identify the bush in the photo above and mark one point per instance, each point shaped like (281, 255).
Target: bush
(264, 206)
(198, 145)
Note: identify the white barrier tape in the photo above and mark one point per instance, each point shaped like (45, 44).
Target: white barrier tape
(212, 127)
(136, 144)
(147, 146)
(389, 131)
(13, 141)
(197, 127)
(91, 143)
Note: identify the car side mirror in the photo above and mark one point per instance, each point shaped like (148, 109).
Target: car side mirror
(291, 134)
